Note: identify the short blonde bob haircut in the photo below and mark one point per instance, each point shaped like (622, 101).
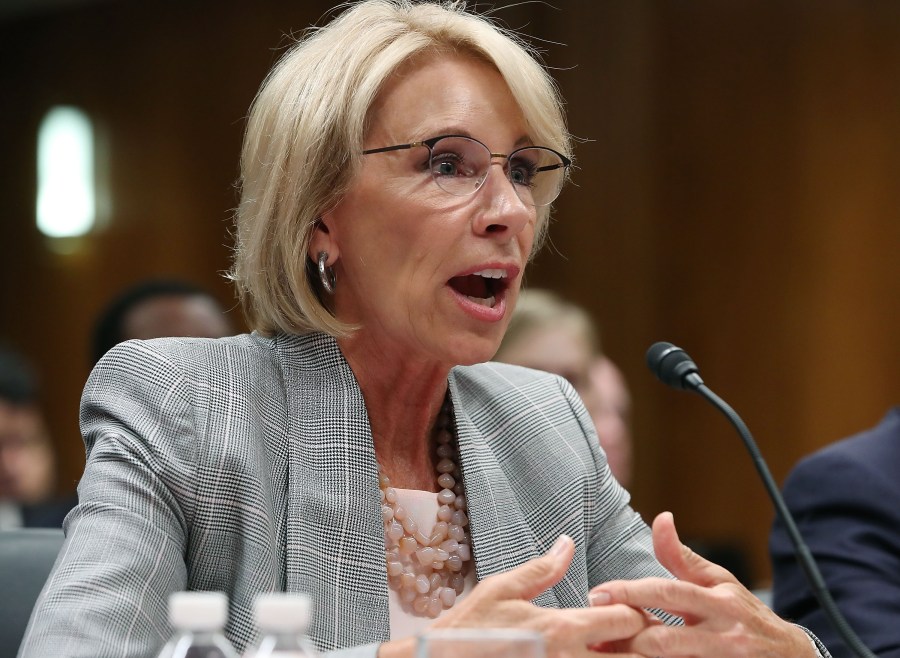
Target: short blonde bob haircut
(306, 130)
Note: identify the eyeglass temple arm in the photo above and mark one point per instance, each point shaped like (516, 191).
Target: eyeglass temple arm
(398, 147)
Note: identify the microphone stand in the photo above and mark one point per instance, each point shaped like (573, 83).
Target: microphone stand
(807, 563)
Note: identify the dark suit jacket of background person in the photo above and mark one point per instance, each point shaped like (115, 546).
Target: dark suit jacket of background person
(846, 501)
(49, 514)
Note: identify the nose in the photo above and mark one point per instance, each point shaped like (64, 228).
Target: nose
(502, 214)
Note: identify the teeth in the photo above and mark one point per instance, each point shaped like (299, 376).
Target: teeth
(489, 301)
(491, 274)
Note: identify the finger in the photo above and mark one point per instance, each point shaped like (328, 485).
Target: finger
(685, 599)
(680, 560)
(611, 623)
(677, 641)
(575, 629)
(533, 577)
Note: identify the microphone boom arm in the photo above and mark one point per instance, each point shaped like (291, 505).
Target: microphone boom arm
(804, 557)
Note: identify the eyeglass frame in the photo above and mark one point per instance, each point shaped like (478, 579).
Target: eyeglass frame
(431, 141)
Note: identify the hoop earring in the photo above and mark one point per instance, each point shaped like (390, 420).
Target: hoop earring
(326, 274)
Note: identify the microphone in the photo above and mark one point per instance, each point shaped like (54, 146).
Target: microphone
(673, 367)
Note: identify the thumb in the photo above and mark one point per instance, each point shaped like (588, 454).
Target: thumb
(684, 563)
(535, 576)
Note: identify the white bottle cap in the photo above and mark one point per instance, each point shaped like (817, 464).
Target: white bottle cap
(281, 612)
(198, 611)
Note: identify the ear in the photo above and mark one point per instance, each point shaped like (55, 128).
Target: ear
(323, 239)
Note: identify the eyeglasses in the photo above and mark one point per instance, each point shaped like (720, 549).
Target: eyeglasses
(460, 165)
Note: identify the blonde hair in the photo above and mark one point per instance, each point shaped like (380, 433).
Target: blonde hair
(539, 310)
(306, 129)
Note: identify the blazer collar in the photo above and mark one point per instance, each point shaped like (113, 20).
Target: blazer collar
(334, 531)
(502, 538)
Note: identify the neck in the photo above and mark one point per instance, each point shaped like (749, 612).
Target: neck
(403, 399)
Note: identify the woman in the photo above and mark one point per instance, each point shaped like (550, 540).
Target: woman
(379, 247)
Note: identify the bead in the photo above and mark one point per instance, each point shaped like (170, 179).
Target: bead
(459, 518)
(446, 497)
(451, 545)
(420, 604)
(425, 555)
(445, 513)
(444, 437)
(448, 597)
(407, 581)
(407, 595)
(434, 582)
(445, 466)
(422, 584)
(395, 531)
(387, 514)
(457, 533)
(408, 545)
(445, 450)
(460, 503)
(392, 554)
(390, 495)
(420, 537)
(464, 552)
(458, 489)
(394, 568)
(437, 565)
(410, 525)
(440, 528)
(446, 480)
(434, 607)
(454, 563)
(458, 583)
(400, 513)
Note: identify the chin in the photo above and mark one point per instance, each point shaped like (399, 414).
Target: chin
(470, 351)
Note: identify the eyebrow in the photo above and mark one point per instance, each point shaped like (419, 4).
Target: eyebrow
(524, 140)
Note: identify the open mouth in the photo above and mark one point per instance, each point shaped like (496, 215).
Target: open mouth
(481, 287)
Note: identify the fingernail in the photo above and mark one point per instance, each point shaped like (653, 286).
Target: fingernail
(600, 598)
(560, 545)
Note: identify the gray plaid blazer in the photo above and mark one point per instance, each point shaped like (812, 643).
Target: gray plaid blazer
(246, 465)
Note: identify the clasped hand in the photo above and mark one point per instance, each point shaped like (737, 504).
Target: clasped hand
(722, 619)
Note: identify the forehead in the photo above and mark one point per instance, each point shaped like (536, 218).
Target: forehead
(446, 92)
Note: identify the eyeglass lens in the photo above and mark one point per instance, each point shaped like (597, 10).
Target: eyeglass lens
(459, 165)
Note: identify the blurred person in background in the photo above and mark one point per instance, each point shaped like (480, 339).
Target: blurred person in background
(845, 499)
(549, 333)
(28, 490)
(610, 407)
(158, 308)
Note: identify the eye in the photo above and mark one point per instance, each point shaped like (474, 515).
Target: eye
(444, 165)
(452, 164)
(522, 171)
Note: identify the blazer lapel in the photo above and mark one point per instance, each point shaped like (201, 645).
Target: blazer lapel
(335, 536)
(502, 538)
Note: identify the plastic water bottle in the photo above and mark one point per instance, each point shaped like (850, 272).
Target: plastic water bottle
(282, 620)
(198, 619)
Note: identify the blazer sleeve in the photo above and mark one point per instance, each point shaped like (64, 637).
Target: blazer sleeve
(846, 509)
(125, 541)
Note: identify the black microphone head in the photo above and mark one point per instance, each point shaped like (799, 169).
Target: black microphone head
(673, 366)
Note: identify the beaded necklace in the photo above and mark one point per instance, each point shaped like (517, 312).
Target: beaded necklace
(428, 573)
